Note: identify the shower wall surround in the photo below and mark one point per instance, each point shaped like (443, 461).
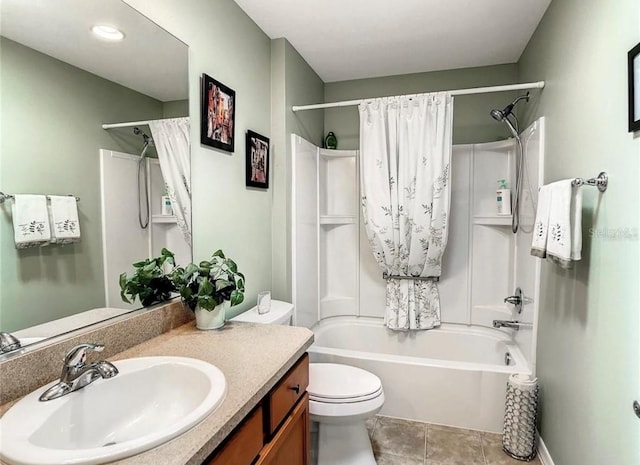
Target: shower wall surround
(334, 270)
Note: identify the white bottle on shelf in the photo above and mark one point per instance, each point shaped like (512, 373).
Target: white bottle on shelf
(166, 209)
(503, 198)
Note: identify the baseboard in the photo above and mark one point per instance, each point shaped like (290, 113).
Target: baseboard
(543, 453)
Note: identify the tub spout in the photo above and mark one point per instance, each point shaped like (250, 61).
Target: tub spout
(515, 325)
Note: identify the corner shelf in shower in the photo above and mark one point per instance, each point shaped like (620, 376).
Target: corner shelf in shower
(337, 219)
(163, 219)
(494, 220)
(336, 298)
(330, 153)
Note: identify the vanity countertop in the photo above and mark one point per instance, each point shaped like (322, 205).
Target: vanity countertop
(253, 358)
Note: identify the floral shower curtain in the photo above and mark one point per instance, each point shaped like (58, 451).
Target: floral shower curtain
(405, 159)
(171, 137)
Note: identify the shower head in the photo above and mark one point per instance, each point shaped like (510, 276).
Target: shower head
(148, 140)
(501, 115)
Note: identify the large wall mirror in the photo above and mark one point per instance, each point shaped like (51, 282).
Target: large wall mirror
(60, 83)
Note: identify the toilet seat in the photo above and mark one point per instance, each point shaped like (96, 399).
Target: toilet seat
(335, 383)
(331, 400)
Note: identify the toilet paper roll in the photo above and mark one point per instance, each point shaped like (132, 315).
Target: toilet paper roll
(523, 382)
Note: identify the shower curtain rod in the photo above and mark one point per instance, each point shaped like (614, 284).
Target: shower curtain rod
(128, 125)
(473, 90)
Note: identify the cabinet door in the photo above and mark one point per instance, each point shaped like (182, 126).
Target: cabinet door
(290, 446)
(243, 445)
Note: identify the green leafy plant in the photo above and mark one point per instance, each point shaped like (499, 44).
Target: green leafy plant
(210, 283)
(150, 283)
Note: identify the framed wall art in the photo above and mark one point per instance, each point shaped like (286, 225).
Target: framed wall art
(257, 160)
(218, 103)
(634, 89)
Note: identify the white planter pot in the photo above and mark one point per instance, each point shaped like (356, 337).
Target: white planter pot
(213, 319)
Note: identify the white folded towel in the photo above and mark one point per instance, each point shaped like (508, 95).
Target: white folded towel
(30, 221)
(63, 213)
(557, 233)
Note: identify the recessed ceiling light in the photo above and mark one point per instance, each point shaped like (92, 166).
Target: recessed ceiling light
(108, 32)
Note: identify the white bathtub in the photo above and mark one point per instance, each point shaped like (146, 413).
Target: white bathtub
(455, 375)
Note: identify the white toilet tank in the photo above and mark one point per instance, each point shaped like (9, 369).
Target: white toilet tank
(281, 313)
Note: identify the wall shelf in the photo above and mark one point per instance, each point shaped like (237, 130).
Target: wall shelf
(337, 219)
(496, 220)
(163, 219)
(330, 153)
(336, 298)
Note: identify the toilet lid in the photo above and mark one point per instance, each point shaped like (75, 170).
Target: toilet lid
(334, 381)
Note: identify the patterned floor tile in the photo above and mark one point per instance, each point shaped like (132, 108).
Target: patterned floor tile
(453, 446)
(494, 455)
(399, 437)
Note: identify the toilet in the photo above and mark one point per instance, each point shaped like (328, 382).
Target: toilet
(341, 398)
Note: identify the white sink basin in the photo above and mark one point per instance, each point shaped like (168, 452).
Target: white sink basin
(151, 401)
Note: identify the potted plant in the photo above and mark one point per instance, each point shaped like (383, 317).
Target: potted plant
(209, 287)
(150, 283)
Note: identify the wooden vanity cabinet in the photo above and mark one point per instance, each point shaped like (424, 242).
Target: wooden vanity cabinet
(277, 431)
(290, 445)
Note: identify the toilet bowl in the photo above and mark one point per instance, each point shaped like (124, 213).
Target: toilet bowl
(341, 398)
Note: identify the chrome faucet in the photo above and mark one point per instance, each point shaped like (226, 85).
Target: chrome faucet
(76, 374)
(516, 300)
(8, 343)
(511, 324)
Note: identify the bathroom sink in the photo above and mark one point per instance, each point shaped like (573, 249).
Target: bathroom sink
(151, 401)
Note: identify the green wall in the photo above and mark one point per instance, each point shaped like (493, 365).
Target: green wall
(293, 83)
(588, 338)
(175, 108)
(51, 116)
(471, 124)
(227, 45)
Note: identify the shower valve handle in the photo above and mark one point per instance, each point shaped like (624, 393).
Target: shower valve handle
(513, 300)
(516, 300)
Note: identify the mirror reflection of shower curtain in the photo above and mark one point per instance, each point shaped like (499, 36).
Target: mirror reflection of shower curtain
(171, 137)
(405, 147)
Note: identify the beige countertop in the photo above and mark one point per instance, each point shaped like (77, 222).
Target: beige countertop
(252, 357)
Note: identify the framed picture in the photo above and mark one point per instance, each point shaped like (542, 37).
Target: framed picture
(218, 119)
(257, 160)
(634, 89)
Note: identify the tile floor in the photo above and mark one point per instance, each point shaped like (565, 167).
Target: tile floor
(403, 442)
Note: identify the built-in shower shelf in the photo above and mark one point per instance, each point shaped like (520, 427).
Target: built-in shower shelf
(330, 298)
(501, 220)
(164, 219)
(330, 153)
(338, 219)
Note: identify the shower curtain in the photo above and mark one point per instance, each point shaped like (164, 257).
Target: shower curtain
(171, 137)
(405, 148)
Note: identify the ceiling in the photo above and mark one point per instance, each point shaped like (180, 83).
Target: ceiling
(353, 39)
(149, 59)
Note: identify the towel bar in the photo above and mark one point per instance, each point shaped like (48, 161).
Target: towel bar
(4, 197)
(416, 278)
(600, 182)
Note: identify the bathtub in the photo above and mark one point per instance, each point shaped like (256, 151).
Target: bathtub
(455, 375)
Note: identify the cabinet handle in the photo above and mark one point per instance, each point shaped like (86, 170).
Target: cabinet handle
(296, 388)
